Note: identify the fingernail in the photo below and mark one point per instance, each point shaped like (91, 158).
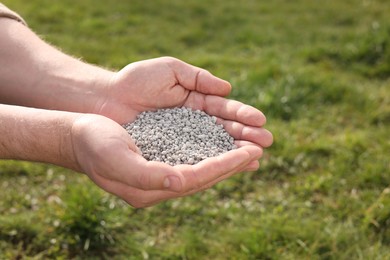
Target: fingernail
(173, 183)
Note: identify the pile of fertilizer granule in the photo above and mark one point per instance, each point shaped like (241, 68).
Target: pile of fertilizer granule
(179, 136)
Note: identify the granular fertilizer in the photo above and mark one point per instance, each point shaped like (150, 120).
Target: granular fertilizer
(179, 136)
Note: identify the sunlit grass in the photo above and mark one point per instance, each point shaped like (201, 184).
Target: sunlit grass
(318, 70)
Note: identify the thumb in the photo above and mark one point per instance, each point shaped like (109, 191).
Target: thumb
(200, 80)
(151, 175)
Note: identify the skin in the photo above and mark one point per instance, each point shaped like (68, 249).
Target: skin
(60, 110)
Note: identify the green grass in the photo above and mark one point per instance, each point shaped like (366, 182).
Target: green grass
(319, 70)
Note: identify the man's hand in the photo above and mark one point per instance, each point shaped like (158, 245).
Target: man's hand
(169, 82)
(107, 154)
(156, 83)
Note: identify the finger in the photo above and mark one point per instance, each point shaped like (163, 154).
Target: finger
(252, 166)
(257, 135)
(227, 109)
(200, 80)
(203, 175)
(133, 196)
(156, 197)
(133, 170)
(240, 168)
(241, 143)
(141, 198)
(205, 172)
(144, 198)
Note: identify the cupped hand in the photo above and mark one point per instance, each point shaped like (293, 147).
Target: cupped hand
(156, 83)
(107, 154)
(114, 164)
(169, 82)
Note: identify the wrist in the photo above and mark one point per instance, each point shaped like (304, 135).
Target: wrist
(73, 86)
(37, 135)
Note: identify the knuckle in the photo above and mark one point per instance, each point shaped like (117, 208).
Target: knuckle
(144, 181)
(172, 61)
(138, 203)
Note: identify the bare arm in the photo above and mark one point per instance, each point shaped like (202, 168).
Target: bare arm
(37, 135)
(35, 74)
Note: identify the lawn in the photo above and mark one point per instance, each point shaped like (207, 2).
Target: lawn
(319, 70)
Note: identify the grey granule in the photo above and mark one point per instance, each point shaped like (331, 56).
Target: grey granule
(179, 136)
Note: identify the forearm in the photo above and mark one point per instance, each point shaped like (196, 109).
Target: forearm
(35, 74)
(37, 135)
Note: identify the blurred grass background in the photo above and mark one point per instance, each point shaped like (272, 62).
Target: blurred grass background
(319, 70)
